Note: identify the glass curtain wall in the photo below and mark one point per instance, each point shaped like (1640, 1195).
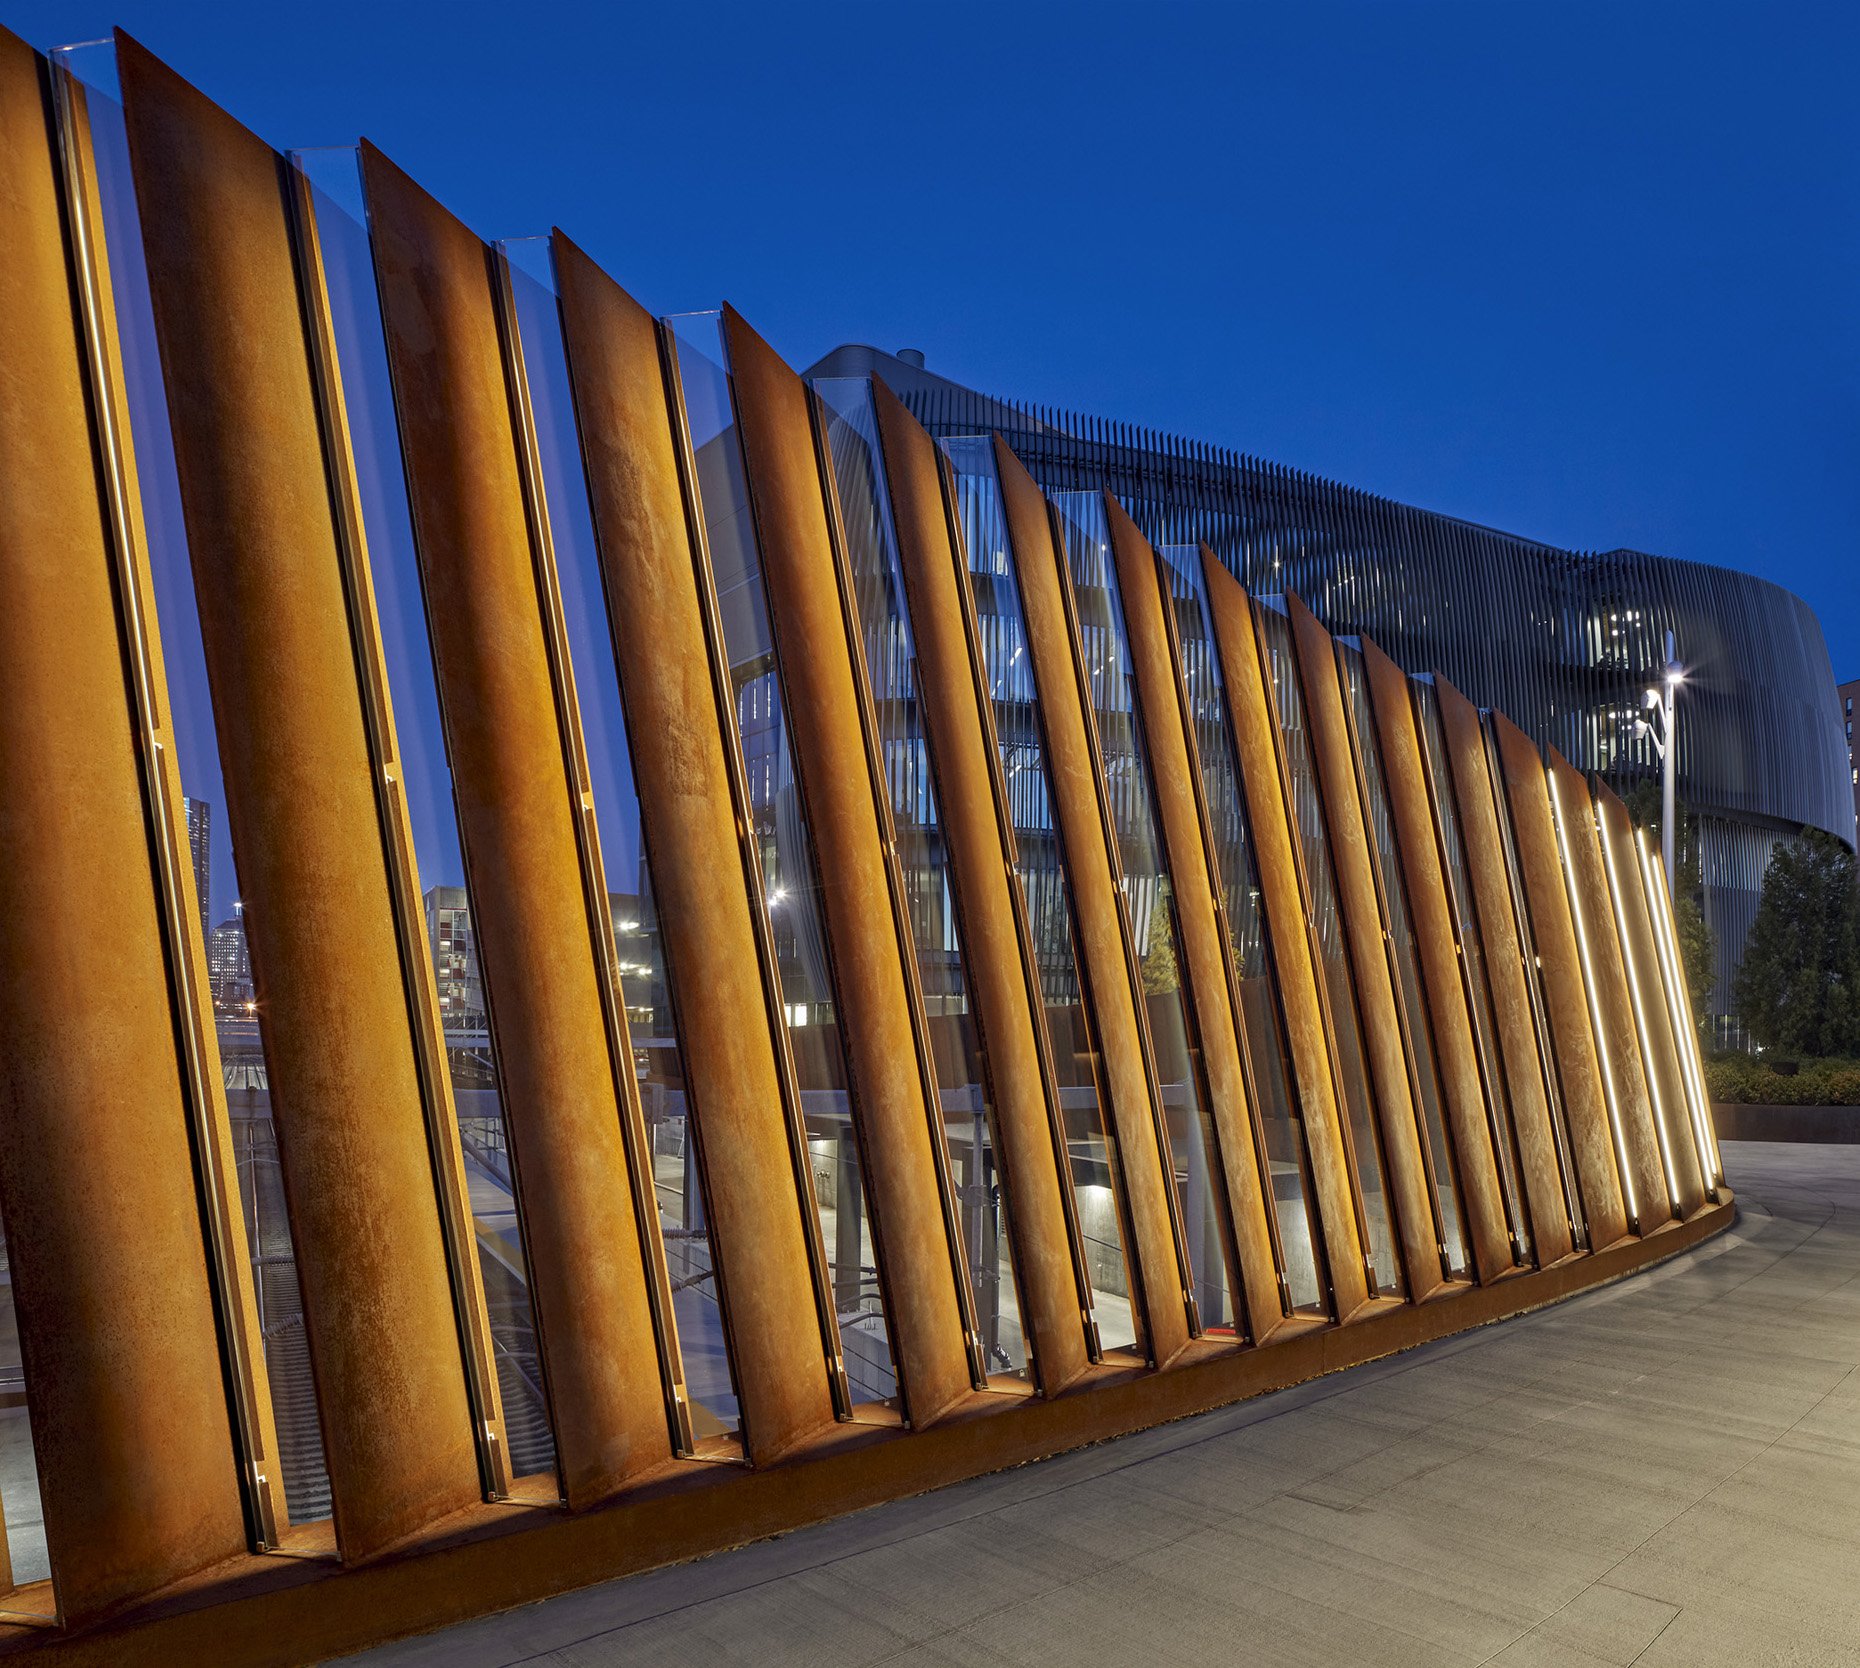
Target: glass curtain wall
(1260, 1012)
(1533, 984)
(790, 876)
(426, 776)
(633, 918)
(891, 663)
(1149, 902)
(213, 863)
(1096, 1163)
(1308, 813)
(1472, 961)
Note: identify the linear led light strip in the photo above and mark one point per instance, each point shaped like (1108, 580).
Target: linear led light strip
(1619, 899)
(1595, 1007)
(1666, 938)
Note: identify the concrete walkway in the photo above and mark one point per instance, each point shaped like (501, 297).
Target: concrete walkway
(1664, 1472)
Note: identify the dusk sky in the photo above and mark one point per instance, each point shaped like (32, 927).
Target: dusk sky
(1585, 272)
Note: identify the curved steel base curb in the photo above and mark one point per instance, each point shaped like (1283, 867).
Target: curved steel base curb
(277, 1610)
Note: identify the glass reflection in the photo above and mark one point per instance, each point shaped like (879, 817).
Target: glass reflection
(212, 865)
(645, 990)
(1473, 969)
(789, 872)
(1040, 867)
(1148, 896)
(962, 1083)
(1285, 1134)
(1533, 984)
(1308, 813)
(426, 780)
(19, 1467)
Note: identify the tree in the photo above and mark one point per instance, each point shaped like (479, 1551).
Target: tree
(1159, 974)
(1698, 949)
(1799, 989)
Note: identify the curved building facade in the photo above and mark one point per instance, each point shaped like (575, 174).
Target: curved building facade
(1563, 641)
(766, 961)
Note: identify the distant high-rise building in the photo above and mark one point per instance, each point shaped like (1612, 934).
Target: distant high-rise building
(229, 967)
(200, 848)
(455, 958)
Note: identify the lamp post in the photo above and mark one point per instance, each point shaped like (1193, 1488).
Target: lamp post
(1664, 701)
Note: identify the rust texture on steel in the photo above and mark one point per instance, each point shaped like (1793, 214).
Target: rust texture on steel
(896, 1117)
(1471, 776)
(1286, 886)
(1348, 825)
(137, 1467)
(536, 944)
(346, 1099)
(1520, 767)
(1107, 963)
(1653, 1022)
(1404, 773)
(645, 530)
(148, 1400)
(1003, 977)
(1210, 975)
(1601, 960)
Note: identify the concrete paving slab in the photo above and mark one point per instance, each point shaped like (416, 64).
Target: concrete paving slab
(1666, 1472)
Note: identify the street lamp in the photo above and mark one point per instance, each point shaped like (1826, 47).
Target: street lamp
(1663, 701)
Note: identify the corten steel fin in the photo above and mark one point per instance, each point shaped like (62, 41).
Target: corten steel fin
(1646, 989)
(182, 912)
(903, 931)
(137, 1467)
(1524, 1066)
(346, 1095)
(978, 833)
(1347, 822)
(1210, 975)
(536, 944)
(1519, 766)
(1107, 963)
(1416, 843)
(1684, 1021)
(1294, 933)
(688, 824)
(897, 1116)
(1599, 945)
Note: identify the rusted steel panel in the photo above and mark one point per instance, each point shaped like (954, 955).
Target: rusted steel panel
(1176, 776)
(895, 1116)
(1289, 923)
(137, 1467)
(1647, 990)
(346, 1096)
(1105, 958)
(1288, 912)
(1520, 769)
(1003, 980)
(1347, 824)
(688, 824)
(536, 945)
(1504, 964)
(1618, 1043)
(1404, 771)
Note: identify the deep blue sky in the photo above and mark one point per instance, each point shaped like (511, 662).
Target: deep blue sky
(1582, 271)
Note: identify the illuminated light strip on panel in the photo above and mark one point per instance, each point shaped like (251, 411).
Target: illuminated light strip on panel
(1666, 938)
(1595, 1008)
(1618, 899)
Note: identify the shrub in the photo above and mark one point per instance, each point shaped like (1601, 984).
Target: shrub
(1745, 1079)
